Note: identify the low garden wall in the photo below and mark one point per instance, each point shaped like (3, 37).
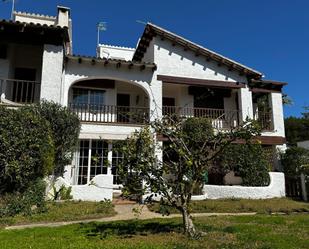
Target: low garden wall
(276, 188)
(100, 188)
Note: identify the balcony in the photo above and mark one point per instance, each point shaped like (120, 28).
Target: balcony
(111, 114)
(20, 91)
(220, 118)
(265, 120)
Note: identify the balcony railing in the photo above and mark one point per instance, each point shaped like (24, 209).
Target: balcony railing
(264, 119)
(111, 113)
(20, 91)
(220, 118)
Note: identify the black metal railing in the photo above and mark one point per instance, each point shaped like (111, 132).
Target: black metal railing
(20, 91)
(111, 113)
(265, 120)
(220, 118)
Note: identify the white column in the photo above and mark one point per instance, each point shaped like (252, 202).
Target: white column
(245, 103)
(52, 66)
(277, 112)
(109, 158)
(155, 93)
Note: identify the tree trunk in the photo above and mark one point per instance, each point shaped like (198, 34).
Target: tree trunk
(188, 226)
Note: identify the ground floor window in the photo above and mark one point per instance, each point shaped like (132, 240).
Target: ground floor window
(95, 157)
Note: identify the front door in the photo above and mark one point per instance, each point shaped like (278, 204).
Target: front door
(123, 108)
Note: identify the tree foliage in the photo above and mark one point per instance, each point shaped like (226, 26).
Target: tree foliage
(26, 151)
(297, 129)
(192, 147)
(249, 161)
(295, 160)
(65, 128)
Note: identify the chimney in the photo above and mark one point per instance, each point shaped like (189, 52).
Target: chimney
(63, 17)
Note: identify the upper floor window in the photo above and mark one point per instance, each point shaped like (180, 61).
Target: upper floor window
(90, 98)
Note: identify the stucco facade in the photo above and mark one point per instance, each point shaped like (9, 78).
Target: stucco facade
(123, 88)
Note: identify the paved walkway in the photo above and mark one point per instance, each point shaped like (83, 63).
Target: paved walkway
(124, 212)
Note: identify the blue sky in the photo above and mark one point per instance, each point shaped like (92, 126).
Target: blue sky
(271, 36)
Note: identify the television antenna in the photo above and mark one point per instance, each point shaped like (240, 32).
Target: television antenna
(13, 6)
(101, 26)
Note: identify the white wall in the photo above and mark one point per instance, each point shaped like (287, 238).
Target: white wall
(115, 52)
(34, 18)
(278, 118)
(276, 189)
(245, 103)
(100, 188)
(107, 131)
(52, 67)
(174, 61)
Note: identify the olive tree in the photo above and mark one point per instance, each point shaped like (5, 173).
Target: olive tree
(191, 147)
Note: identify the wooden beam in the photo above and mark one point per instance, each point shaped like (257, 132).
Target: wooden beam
(265, 140)
(200, 82)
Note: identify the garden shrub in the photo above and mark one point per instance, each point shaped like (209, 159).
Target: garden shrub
(63, 193)
(26, 151)
(65, 128)
(31, 201)
(249, 161)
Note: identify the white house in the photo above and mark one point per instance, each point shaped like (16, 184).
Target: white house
(122, 88)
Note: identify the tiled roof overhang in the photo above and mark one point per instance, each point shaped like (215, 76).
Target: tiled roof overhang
(152, 30)
(22, 32)
(116, 62)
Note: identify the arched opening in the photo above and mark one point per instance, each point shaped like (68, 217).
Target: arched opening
(100, 101)
(109, 101)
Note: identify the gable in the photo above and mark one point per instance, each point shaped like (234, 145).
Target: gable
(171, 59)
(152, 31)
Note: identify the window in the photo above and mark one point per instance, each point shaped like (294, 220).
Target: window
(83, 162)
(99, 162)
(116, 160)
(88, 98)
(92, 160)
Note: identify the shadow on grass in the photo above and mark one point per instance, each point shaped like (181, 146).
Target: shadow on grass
(130, 228)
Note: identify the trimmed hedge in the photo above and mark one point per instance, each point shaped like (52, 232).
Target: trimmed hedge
(27, 150)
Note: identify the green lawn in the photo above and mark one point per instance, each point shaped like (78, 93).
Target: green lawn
(268, 206)
(252, 232)
(64, 211)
